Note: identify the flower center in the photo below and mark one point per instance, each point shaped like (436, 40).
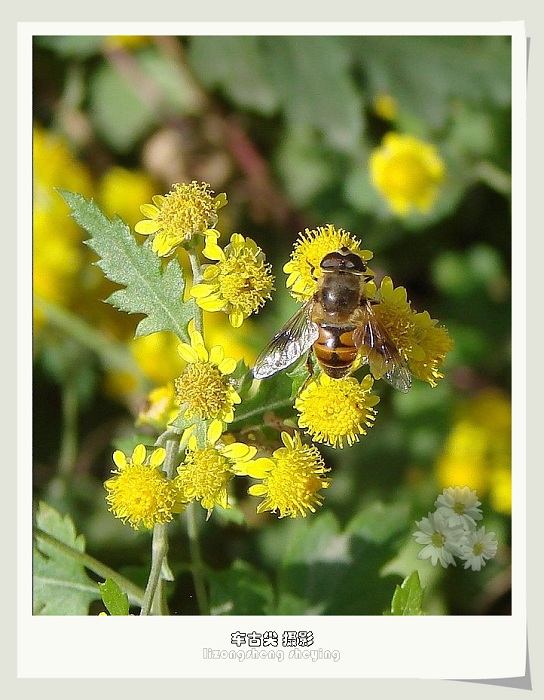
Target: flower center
(245, 282)
(204, 476)
(187, 210)
(203, 389)
(337, 410)
(438, 540)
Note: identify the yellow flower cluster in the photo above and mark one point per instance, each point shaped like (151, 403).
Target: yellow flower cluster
(202, 400)
(407, 172)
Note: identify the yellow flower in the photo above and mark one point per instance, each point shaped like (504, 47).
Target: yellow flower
(140, 493)
(184, 212)
(57, 259)
(203, 389)
(334, 410)
(161, 407)
(385, 106)
(121, 190)
(206, 472)
(420, 341)
(291, 479)
(309, 250)
(407, 172)
(239, 283)
(478, 450)
(126, 42)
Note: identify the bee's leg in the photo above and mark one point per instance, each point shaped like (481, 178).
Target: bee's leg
(310, 368)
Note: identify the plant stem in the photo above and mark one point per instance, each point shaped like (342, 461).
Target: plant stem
(197, 564)
(197, 279)
(153, 601)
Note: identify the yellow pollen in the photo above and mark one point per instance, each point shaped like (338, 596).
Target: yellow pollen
(245, 282)
(203, 390)
(187, 210)
(334, 410)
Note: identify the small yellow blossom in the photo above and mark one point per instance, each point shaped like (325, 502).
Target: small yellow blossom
(385, 106)
(334, 410)
(309, 250)
(420, 341)
(173, 219)
(239, 283)
(121, 190)
(478, 450)
(407, 172)
(203, 389)
(206, 472)
(140, 493)
(57, 260)
(291, 479)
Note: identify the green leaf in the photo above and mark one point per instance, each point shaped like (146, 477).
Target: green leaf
(237, 65)
(117, 111)
(311, 74)
(115, 600)
(408, 597)
(424, 73)
(79, 47)
(338, 572)
(60, 583)
(240, 590)
(148, 288)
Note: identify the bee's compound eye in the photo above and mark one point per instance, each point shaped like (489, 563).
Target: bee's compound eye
(343, 259)
(332, 261)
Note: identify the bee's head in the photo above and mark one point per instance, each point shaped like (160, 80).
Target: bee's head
(343, 260)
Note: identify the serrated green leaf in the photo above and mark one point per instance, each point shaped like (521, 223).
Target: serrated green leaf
(408, 597)
(240, 590)
(60, 583)
(148, 288)
(115, 600)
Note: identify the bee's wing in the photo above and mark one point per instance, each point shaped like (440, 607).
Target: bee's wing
(291, 342)
(382, 355)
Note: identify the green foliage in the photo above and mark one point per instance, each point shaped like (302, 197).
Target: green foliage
(240, 590)
(408, 597)
(61, 586)
(148, 288)
(324, 569)
(115, 600)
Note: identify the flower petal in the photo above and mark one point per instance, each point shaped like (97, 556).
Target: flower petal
(201, 290)
(187, 353)
(227, 366)
(215, 431)
(150, 211)
(138, 454)
(147, 226)
(119, 459)
(157, 457)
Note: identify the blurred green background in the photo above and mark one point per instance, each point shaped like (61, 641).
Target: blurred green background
(285, 125)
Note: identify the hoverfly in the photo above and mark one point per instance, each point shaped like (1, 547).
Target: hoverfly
(338, 325)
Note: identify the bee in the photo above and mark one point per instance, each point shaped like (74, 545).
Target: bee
(338, 325)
